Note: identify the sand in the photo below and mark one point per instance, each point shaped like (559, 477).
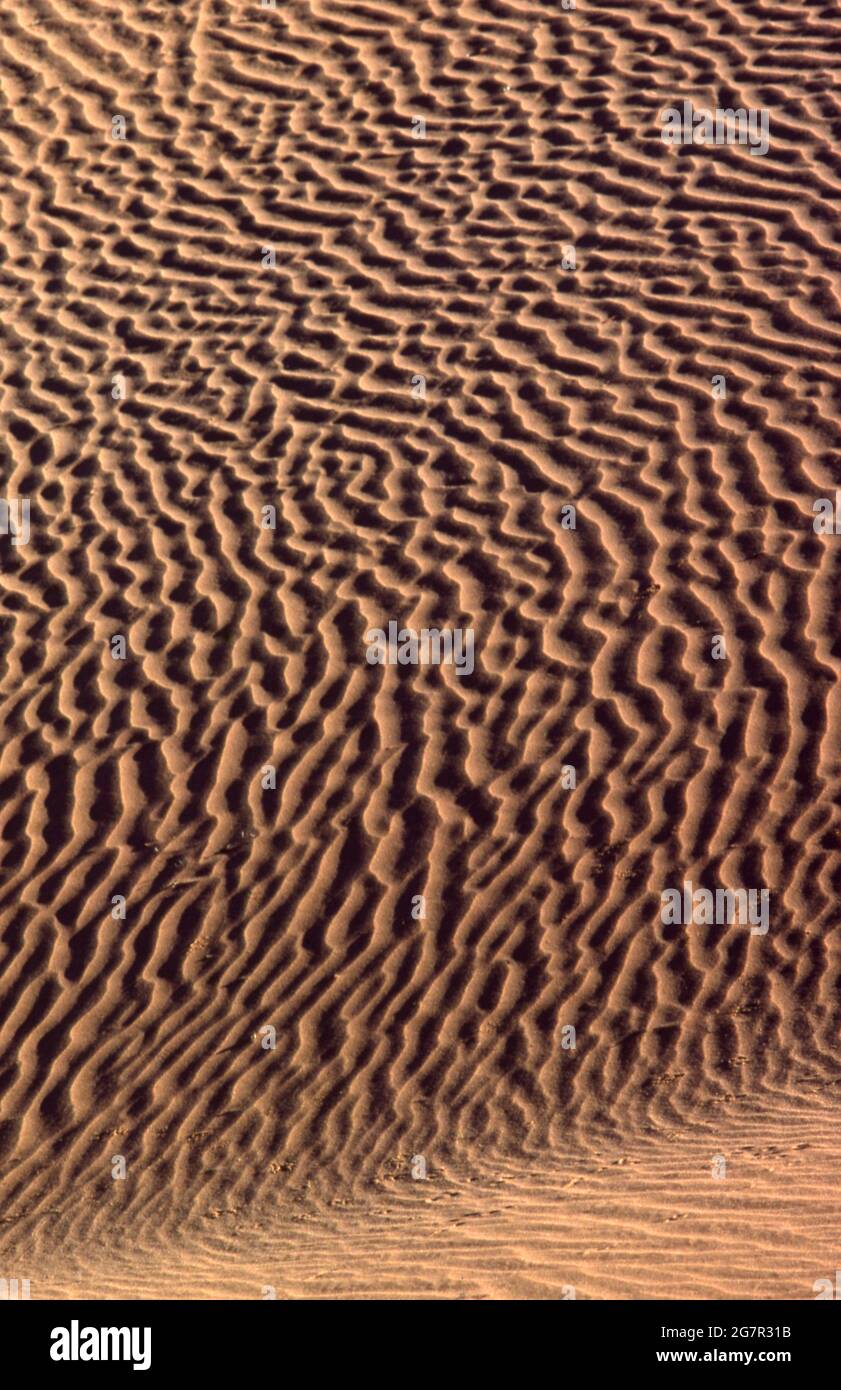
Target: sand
(368, 305)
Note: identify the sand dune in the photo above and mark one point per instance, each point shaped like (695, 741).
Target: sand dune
(279, 292)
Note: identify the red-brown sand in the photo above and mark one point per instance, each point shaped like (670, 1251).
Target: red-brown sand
(228, 311)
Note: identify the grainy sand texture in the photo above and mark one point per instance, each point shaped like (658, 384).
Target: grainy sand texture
(326, 976)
